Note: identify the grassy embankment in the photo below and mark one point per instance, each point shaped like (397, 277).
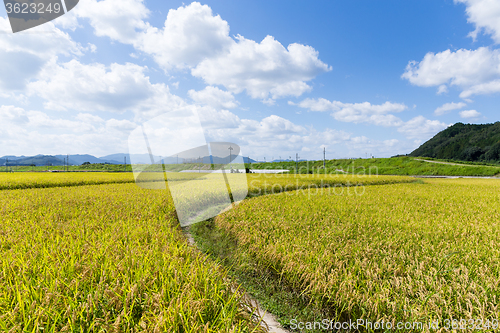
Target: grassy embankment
(407, 166)
(403, 252)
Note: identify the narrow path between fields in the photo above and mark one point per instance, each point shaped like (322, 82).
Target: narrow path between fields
(450, 163)
(268, 319)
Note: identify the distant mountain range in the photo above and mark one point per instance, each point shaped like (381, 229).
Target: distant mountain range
(42, 160)
(464, 142)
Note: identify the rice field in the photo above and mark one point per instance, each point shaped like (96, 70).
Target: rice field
(108, 258)
(397, 253)
(24, 180)
(262, 184)
(94, 252)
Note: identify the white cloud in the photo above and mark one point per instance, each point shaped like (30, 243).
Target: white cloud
(475, 71)
(263, 69)
(121, 125)
(485, 15)
(43, 41)
(95, 87)
(195, 39)
(482, 89)
(12, 114)
(462, 67)
(422, 128)
(366, 112)
(214, 97)
(380, 115)
(120, 20)
(190, 35)
(35, 132)
(284, 138)
(41, 120)
(467, 114)
(447, 107)
(89, 118)
(24, 54)
(443, 89)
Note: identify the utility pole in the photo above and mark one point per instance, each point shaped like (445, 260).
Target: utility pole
(230, 155)
(296, 162)
(64, 163)
(67, 162)
(324, 157)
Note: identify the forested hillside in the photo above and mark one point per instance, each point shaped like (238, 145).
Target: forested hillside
(464, 142)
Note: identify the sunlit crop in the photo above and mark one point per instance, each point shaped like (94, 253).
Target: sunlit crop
(403, 252)
(107, 258)
(20, 180)
(111, 257)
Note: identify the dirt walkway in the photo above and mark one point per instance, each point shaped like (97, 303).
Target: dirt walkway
(268, 319)
(449, 163)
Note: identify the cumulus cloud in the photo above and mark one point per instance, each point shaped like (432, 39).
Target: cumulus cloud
(485, 15)
(27, 53)
(195, 39)
(12, 114)
(475, 71)
(95, 87)
(380, 115)
(447, 107)
(468, 114)
(366, 112)
(482, 89)
(214, 97)
(422, 128)
(462, 67)
(32, 132)
(442, 89)
(272, 134)
(263, 69)
(191, 34)
(120, 20)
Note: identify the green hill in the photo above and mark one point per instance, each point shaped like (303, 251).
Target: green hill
(464, 142)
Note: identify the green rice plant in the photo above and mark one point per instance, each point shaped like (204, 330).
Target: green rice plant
(397, 253)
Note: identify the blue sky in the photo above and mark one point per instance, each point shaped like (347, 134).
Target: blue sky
(275, 77)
